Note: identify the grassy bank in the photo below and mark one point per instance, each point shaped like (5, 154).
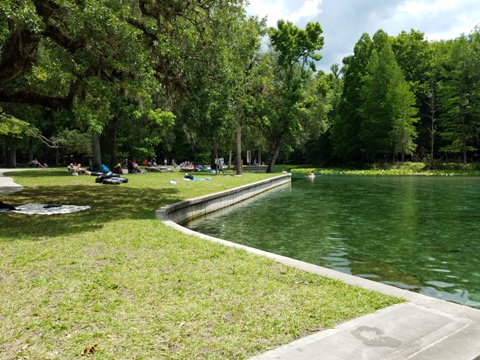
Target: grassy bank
(407, 168)
(115, 276)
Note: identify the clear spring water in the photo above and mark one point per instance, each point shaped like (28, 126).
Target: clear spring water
(414, 232)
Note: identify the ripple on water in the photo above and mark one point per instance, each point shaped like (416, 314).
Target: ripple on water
(440, 284)
(441, 270)
(459, 296)
(396, 230)
(368, 276)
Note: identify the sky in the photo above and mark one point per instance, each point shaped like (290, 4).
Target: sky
(344, 21)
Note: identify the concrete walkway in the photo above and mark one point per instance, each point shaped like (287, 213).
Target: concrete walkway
(7, 186)
(423, 328)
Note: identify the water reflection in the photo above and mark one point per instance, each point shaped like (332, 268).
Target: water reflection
(417, 233)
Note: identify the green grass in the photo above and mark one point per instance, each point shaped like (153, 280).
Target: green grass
(407, 168)
(117, 277)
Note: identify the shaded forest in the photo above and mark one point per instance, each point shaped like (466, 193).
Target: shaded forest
(190, 80)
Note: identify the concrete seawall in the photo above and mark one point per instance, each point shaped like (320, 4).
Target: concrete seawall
(192, 208)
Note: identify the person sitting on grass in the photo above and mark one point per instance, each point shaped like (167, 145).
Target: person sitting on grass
(117, 169)
(37, 163)
(76, 169)
(133, 168)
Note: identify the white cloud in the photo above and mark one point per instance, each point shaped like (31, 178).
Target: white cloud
(308, 10)
(275, 10)
(344, 21)
(421, 9)
(439, 19)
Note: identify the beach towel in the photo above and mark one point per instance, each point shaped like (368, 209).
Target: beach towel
(48, 209)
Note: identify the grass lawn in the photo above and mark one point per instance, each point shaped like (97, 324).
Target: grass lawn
(117, 277)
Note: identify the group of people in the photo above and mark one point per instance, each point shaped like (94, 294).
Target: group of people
(153, 162)
(76, 169)
(36, 163)
(133, 167)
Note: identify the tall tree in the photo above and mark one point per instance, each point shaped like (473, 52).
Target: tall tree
(418, 60)
(388, 110)
(460, 96)
(216, 76)
(328, 91)
(82, 56)
(296, 51)
(430, 108)
(347, 123)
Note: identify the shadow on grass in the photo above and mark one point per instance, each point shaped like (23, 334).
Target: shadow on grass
(107, 202)
(37, 173)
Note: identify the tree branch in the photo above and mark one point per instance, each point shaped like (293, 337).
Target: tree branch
(17, 56)
(52, 102)
(50, 143)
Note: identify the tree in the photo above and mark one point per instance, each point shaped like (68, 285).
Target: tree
(347, 123)
(419, 61)
(404, 115)
(430, 108)
(82, 56)
(388, 110)
(216, 77)
(295, 50)
(328, 91)
(460, 96)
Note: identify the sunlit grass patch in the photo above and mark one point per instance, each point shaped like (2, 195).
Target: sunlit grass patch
(115, 276)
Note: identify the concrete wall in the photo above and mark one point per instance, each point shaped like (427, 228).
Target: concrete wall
(192, 208)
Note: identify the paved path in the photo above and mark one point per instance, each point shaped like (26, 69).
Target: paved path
(7, 186)
(423, 328)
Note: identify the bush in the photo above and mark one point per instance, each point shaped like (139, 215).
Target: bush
(433, 164)
(411, 166)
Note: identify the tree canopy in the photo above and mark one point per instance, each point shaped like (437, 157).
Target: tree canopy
(191, 79)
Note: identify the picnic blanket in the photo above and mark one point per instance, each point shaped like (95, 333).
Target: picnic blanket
(48, 209)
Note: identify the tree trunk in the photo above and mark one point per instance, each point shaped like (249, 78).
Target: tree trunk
(259, 156)
(113, 150)
(464, 141)
(213, 158)
(96, 149)
(432, 129)
(12, 157)
(4, 151)
(230, 159)
(276, 151)
(30, 150)
(239, 150)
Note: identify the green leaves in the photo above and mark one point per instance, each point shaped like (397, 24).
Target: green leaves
(10, 126)
(294, 49)
(296, 45)
(388, 111)
(74, 142)
(460, 97)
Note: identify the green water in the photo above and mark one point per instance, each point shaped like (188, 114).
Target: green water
(416, 233)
